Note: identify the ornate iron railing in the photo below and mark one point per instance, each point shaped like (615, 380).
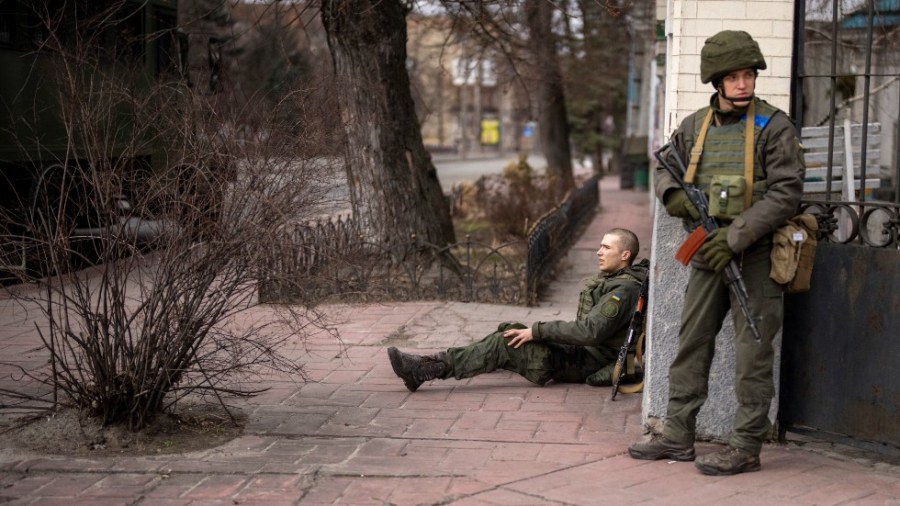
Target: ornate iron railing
(410, 270)
(552, 235)
(875, 224)
(327, 260)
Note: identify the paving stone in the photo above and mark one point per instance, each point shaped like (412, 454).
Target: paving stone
(217, 486)
(69, 484)
(353, 434)
(22, 485)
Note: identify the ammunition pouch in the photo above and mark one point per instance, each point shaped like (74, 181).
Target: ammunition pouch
(726, 196)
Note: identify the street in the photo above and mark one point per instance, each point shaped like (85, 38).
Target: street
(452, 170)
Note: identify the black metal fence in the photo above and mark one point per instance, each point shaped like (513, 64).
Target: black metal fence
(838, 378)
(552, 235)
(874, 224)
(328, 260)
(846, 67)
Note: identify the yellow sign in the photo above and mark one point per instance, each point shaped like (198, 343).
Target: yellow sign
(490, 132)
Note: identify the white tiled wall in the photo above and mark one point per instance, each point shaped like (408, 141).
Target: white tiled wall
(690, 22)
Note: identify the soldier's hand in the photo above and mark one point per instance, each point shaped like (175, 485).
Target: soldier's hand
(679, 205)
(518, 337)
(716, 249)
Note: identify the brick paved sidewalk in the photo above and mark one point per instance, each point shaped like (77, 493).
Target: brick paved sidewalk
(355, 435)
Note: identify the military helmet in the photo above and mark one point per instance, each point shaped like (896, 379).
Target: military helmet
(727, 51)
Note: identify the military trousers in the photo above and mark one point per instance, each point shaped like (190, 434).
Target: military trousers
(706, 304)
(538, 362)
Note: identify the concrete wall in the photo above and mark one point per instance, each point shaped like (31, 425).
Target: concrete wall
(688, 24)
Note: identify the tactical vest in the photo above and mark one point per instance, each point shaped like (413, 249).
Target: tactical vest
(723, 149)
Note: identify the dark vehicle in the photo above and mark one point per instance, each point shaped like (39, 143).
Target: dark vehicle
(71, 157)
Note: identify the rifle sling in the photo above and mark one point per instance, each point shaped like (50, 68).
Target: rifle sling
(748, 154)
(697, 150)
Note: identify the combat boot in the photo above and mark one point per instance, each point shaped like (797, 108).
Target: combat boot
(728, 461)
(661, 448)
(417, 369)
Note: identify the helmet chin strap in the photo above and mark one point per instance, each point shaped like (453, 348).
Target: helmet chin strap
(742, 100)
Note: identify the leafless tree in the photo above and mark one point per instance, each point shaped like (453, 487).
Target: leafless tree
(145, 234)
(573, 57)
(526, 35)
(393, 184)
(596, 74)
(551, 96)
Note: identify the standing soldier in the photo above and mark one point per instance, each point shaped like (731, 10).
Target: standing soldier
(746, 154)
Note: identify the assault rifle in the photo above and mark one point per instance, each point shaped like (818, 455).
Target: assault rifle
(634, 330)
(705, 226)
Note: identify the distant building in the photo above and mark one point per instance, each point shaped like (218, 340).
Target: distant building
(466, 99)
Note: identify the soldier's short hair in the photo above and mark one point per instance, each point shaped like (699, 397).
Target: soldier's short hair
(628, 241)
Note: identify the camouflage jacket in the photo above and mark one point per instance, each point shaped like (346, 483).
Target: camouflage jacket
(604, 312)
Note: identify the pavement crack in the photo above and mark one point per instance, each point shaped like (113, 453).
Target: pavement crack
(544, 500)
(402, 438)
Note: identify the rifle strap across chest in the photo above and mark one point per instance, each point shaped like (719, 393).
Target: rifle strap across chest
(749, 130)
(697, 150)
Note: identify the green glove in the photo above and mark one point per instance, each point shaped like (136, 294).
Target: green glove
(679, 205)
(716, 249)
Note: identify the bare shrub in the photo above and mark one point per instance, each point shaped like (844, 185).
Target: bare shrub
(170, 198)
(503, 207)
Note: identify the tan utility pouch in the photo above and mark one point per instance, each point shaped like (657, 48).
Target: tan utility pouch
(726, 196)
(793, 253)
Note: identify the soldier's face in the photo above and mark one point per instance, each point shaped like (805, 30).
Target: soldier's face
(737, 85)
(610, 256)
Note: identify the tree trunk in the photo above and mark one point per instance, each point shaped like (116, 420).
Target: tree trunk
(552, 115)
(394, 189)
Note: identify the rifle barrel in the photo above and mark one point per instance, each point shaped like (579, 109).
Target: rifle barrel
(736, 283)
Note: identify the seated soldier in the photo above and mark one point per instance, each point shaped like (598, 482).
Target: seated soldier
(579, 351)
